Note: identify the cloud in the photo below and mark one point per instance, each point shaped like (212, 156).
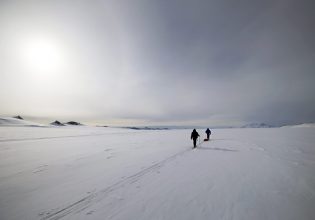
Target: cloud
(223, 62)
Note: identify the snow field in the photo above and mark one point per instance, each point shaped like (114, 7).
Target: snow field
(107, 173)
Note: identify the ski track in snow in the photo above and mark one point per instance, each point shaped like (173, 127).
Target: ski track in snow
(96, 197)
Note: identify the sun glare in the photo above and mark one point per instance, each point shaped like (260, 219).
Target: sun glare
(42, 55)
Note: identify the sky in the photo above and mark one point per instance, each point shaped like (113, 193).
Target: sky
(158, 62)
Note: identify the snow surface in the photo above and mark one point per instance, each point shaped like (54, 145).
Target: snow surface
(7, 121)
(306, 125)
(109, 173)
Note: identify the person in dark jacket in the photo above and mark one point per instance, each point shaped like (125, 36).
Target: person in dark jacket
(194, 136)
(208, 132)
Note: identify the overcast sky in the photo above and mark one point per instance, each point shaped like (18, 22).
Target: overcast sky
(172, 62)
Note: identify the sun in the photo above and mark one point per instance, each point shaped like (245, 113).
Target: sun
(42, 55)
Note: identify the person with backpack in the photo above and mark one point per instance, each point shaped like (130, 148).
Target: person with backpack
(208, 132)
(194, 136)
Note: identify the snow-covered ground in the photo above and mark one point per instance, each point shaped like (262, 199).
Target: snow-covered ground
(7, 121)
(109, 173)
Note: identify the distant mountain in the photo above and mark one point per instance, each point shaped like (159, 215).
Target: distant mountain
(18, 117)
(257, 125)
(57, 123)
(73, 123)
(146, 128)
(171, 127)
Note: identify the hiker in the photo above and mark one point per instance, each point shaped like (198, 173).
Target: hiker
(208, 132)
(194, 136)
